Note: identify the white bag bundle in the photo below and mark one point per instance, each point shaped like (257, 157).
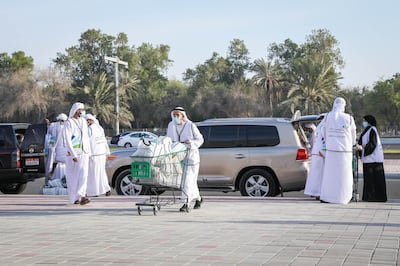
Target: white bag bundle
(50, 191)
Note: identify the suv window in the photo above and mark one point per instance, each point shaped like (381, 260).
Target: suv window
(7, 137)
(230, 136)
(34, 137)
(260, 136)
(8, 148)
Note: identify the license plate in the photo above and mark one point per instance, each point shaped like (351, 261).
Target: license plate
(31, 161)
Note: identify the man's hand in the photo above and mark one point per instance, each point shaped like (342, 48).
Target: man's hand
(75, 159)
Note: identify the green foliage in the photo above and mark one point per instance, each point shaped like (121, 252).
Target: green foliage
(17, 61)
(99, 98)
(294, 76)
(268, 80)
(383, 101)
(310, 70)
(82, 61)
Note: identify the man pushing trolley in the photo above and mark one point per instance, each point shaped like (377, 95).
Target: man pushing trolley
(182, 130)
(173, 160)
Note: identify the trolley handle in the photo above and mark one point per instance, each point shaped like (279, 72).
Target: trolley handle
(144, 142)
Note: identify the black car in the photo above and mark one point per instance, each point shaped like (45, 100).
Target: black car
(22, 156)
(115, 139)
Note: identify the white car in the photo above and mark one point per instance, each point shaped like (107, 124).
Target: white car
(132, 139)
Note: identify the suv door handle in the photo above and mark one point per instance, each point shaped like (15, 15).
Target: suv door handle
(239, 156)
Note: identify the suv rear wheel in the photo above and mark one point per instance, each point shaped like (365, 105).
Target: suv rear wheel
(12, 188)
(125, 186)
(257, 183)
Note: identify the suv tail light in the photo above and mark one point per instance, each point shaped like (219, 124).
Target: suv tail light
(19, 158)
(302, 155)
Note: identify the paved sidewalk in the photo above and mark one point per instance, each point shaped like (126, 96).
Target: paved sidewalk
(44, 230)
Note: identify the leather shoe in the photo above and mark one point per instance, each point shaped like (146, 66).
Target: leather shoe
(198, 203)
(84, 201)
(77, 202)
(108, 193)
(184, 208)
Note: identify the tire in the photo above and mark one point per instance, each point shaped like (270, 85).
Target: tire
(12, 188)
(257, 183)
(127, 145)
(125, 186)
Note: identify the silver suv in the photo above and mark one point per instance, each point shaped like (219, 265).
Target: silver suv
(259, 157)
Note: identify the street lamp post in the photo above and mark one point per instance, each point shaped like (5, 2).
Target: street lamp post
(116, 62)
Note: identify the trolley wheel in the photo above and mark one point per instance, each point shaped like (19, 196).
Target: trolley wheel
(155, 210)
(139, 210)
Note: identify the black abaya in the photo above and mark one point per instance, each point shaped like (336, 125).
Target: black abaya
(374, 182)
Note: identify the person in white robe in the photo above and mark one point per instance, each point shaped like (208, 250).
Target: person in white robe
(97, 178)
(59, 149)
(182, 130)
(313, 183)
(50, 139)
(309, 130)
(76, 138)
(339, 132)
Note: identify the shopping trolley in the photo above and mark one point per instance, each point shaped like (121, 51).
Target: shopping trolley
(160, 168)
(356, 195)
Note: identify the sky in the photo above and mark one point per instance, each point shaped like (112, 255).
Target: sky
(367, 30)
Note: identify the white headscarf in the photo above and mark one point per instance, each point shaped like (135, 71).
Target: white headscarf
(310, 125)
(92, 117)
(75, 108)
(179, 110)
(62, 117)
(339, 104)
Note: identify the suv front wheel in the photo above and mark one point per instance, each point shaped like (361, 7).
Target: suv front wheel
(12, 188)
(257, 183)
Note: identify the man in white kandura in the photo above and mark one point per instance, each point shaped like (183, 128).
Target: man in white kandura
(339, 132)
(78, 151)
(181, 129)
(58, 170)
(97, 178)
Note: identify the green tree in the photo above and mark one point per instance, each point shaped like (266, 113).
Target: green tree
(267, 78)
(82, 61)
(311, 70)
(150, 67)
(238, 58)
(17, 61)
(383, 101)
(99, 99)
(312, 86)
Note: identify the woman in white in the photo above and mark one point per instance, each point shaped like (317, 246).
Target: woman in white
(182, 130)
(97, 178)
(313, 184)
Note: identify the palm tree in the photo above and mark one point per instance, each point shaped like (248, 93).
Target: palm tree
(99, 97)
(313, 80)
(267, 78)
